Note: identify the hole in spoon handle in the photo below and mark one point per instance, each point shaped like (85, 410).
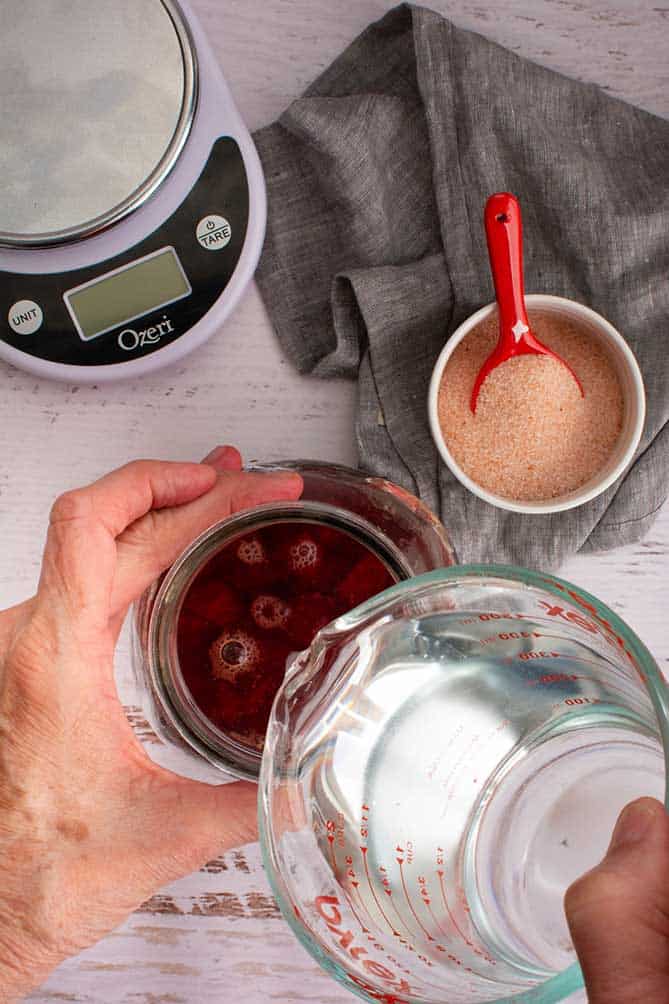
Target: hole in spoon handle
(503, 227)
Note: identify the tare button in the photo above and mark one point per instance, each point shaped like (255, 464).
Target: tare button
(25, 317)
(213, 232)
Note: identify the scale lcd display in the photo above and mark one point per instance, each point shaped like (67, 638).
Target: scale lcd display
(127, 293)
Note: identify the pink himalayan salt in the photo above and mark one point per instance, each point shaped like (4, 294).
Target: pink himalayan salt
(533, 437)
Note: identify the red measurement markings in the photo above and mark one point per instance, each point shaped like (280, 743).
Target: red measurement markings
(440, 864)
(477, 951)
(350, 871)
(526, 656)
(407, 928)
(387, 888)
(509, 616)
(364, 834)
(427, 902)
(470, 944)
(554, 678)
(509, 636)
(601, 625)
(579, 658)
(395, 933)
(382, 998)
(489, 640)
(593, 662)
(328, 908)
(363, 911)
(549, 634)
(355, 885)
(331, 828)
(440, 875)
(423, 958)
(385, 881)
(364, 821)
(427, 934)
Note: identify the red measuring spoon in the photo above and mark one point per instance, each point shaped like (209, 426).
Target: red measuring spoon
(503, 229)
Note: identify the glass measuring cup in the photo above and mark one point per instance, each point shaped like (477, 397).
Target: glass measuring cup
(440, 765)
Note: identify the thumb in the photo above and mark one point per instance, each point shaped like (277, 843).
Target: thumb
(187, 823)
(618, 913)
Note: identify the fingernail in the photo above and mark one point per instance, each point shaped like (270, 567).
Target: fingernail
(212, 457)
(635, 823)
(287, 477)
(224, 458)
(287, 481)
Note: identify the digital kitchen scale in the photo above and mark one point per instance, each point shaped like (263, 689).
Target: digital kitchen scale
(132, 201)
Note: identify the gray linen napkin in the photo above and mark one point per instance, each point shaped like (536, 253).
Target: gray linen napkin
(375, 249)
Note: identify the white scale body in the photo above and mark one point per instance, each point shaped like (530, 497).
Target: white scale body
(133, 204)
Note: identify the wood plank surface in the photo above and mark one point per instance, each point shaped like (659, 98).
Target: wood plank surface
(217, 935)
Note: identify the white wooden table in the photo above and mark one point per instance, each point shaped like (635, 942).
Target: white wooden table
(217, 935)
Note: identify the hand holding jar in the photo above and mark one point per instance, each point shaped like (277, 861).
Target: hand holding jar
(89, 826)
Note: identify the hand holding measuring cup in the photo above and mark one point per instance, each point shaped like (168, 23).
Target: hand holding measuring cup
(619, 912)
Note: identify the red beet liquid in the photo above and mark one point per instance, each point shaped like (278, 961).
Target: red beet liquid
(265, 595)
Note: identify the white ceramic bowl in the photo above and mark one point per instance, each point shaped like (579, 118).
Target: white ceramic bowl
(633, 392)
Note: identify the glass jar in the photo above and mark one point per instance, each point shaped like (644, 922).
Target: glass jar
(388, 521)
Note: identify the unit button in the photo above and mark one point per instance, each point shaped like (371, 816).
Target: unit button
(213, 232)
(25, 317)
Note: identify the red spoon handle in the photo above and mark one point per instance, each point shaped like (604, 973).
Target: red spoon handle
(503, 229)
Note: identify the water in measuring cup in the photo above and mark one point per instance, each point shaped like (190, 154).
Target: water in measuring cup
(460, 789)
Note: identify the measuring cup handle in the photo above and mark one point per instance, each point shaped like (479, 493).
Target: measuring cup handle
(503, 227)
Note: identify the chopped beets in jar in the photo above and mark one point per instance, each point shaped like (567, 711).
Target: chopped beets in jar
(264, 595)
